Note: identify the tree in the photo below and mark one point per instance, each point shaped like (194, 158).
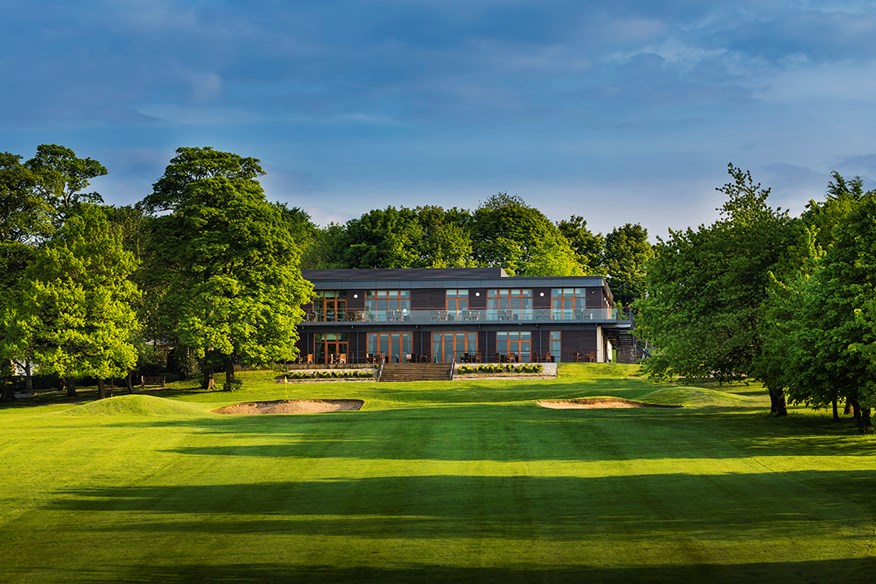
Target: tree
(706, 287)
(25, 221)
(74, 312)
(506, 231)
(624, 260)
(553, 256)
(588, 246)
(326, 250)
(446, 237)
(63, 176)
(384, 238)
(832, 336)
(234, 288)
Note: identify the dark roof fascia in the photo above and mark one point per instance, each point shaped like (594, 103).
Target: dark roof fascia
(369, 274)
(407, 284)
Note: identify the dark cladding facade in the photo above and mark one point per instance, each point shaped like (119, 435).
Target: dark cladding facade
(457, 314)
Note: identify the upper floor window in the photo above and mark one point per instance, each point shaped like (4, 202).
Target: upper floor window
(329, 305)
(382, 300)
(568, 303)
(457, 300)
(509, 298)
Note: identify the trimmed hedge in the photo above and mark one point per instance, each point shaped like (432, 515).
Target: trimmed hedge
(533, 368)
(335, 374)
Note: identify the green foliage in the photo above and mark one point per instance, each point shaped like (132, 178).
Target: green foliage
(74, 313)
(424, 237)
(62, 176)
(387, 238)
(25, 215)
(624, 261)
(552, 256)
(706, 287)
(588, 246)
(813, 330)
(336, 374)
(233, 286)
(190, 166)
(506, 232)
(490, 368)
(232, 385)
(829, 317)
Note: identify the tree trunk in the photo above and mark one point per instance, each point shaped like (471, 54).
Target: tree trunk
(101, 389)
(129, 381)
(778, 406)
(206, 377)
(70, 383)
(28, 376)
(862, 416)
(835, 410)
(8, 393)
(229, 369)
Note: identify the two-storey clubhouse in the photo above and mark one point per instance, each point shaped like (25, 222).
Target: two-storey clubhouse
(457, 315)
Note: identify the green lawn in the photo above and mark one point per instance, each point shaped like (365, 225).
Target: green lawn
(456, 481)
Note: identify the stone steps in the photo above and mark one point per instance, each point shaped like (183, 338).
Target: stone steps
(416, 372)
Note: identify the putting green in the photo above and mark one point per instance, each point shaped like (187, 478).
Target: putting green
(442, 481)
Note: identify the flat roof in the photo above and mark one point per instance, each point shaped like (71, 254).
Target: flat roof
(353, 274)
(406, 279)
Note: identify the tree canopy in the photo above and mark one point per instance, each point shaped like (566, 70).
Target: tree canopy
(234, 287)
(706, 286)
(74, 312)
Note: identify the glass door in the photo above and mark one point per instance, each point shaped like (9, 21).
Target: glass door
(331, 348)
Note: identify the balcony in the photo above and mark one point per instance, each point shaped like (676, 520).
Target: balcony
(448, 317)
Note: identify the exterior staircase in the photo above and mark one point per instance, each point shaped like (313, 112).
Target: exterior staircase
(628, 348)
(416, 372)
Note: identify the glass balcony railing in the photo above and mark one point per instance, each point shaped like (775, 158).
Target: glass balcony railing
(469, 316)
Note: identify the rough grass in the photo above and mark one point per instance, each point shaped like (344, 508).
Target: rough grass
(434, 482)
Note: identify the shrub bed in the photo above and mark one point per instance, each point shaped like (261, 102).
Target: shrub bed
(534, 368)
(335, 374)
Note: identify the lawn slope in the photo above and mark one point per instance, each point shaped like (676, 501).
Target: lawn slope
(435, 482)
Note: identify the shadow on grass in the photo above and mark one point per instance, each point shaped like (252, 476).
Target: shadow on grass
(523, 433)
(849, 570)
(725, 508)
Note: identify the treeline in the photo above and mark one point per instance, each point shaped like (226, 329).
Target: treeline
(502, 232)
(788, 300)
(204, 272)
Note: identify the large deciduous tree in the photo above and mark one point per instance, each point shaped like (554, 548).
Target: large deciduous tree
(35, 196)
(588, 246)
(831, 333)
(234, 287)
(506, 232)
(706, 287)
(73, 313)
(624, 261)
(63, 176)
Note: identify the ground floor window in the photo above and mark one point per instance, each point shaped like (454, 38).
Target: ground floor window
(331, 347)
(394, 347)
(513, 346)
(462, 347)
(556, 345)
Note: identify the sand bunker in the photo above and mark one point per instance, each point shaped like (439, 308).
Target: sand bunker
(591, 403)
(293, 406)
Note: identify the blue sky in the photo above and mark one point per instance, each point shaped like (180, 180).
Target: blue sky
(620, 111)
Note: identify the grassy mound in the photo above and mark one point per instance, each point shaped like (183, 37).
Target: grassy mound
(136, 405)
(698, 396)
(598, 370)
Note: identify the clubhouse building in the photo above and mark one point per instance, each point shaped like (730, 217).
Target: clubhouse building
(457, 315)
